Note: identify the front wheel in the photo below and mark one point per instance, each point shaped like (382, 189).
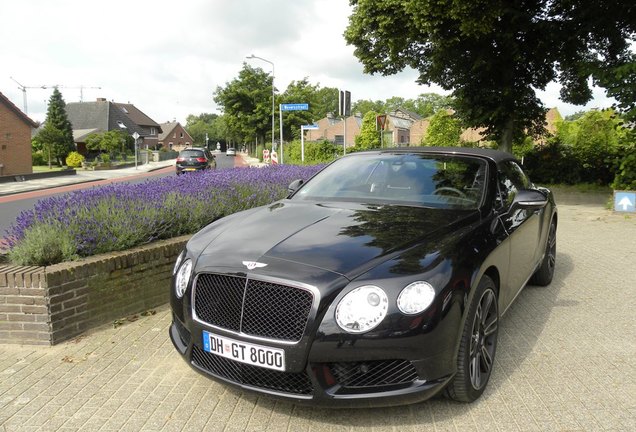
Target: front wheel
(544, 274)
(476, 356)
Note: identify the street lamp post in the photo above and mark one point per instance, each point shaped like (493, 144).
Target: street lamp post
(273, 91)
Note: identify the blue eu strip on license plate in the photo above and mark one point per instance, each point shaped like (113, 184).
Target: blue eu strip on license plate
(244, 352)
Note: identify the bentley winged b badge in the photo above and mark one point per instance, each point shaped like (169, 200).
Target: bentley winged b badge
(251, 265)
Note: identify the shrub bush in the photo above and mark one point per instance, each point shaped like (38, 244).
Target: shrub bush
(44, 245)
(625, 178)
(74, 160)
(119, 216)
(38, 159)
(552, 163)
(315, 152)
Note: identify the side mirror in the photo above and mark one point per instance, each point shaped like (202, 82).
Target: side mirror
(293, 187)
(529, 199)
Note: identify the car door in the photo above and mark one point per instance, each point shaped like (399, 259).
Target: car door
(523, 227)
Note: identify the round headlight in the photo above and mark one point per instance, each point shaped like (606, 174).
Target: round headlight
(416, 297)
(362, 309)
(183, 277)
(178, 263)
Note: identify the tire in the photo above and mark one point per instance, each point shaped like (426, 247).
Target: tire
(544, 274)
(476, 355)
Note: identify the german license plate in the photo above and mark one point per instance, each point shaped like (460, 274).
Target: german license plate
(190, 169)
(244, 352)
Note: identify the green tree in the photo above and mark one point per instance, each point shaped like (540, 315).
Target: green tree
(443, 131)
(369, 136)
(493, 55)
(246, 102)
(202, 125)
(363, 106)
(112, 142)
(56, 137)
(325, 102)
(298, 92)
(595, 139)
(428, 104)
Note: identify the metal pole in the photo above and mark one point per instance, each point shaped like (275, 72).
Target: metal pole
(281, 132)
(273, 93)
(302, 143)
(344, 144)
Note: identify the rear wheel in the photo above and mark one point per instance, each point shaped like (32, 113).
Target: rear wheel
(544, 274)
(476, 355)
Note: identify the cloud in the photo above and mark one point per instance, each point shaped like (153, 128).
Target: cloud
(167, 58)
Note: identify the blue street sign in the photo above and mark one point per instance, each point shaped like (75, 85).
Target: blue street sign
(294, 107)
(310, 127)
(624, 201)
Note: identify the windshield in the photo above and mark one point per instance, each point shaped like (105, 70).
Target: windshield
(191, 153)
(441, 181)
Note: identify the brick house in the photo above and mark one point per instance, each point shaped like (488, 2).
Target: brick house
(332, 129)
(15, 139)
(323, 124)
(174, 136)
(103, 116)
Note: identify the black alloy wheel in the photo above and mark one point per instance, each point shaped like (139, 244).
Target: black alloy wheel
(476, 355)
(544, 274)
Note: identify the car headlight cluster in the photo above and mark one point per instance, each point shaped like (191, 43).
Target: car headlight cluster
(364, 308)
(415, 298)
(182, 278)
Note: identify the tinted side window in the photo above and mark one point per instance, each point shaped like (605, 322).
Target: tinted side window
(511, 179)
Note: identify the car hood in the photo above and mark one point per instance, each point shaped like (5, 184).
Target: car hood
(346, 239)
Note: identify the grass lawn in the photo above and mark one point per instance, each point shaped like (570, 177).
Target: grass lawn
(45, 168)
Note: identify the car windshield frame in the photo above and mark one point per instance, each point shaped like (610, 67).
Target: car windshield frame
(432, 180)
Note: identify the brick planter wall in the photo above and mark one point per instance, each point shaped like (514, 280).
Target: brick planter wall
(47, 305)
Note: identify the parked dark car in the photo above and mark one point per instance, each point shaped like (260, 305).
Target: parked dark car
(195, 159)
(379, 281)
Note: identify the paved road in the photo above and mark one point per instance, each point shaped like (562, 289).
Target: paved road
(565, 362)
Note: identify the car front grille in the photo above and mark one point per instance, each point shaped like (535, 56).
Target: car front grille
(355, 375)
(252, 307)
(240, 373)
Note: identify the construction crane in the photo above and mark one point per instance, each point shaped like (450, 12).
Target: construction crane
(24, 89)
(81, 87)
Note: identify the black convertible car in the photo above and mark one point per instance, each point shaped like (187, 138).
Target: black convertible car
(381, 280)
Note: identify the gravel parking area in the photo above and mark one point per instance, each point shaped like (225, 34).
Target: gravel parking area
(566, 361)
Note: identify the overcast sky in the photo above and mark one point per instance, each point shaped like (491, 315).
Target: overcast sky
(168, 57)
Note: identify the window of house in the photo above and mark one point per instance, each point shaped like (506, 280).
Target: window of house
(339, 139)
(153, 131)
(181, 135)
(121, 124)
(174, 135)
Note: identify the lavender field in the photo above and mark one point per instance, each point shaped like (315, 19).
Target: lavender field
(120, 216)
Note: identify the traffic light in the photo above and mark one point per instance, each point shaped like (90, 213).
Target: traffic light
(344, 103)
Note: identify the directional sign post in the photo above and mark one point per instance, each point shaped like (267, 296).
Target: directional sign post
(303, 128)
(625, 201)
(288, 107)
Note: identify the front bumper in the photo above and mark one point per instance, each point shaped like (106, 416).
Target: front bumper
(340, 382)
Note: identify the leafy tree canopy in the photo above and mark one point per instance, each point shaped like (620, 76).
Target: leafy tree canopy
(493, 55)
(247, 103)
(369, 136)
(443, 131)
(56, 137)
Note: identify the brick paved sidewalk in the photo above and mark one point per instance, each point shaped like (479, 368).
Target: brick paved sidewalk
(565, 362)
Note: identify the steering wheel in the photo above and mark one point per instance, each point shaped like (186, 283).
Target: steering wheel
(449, 189)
